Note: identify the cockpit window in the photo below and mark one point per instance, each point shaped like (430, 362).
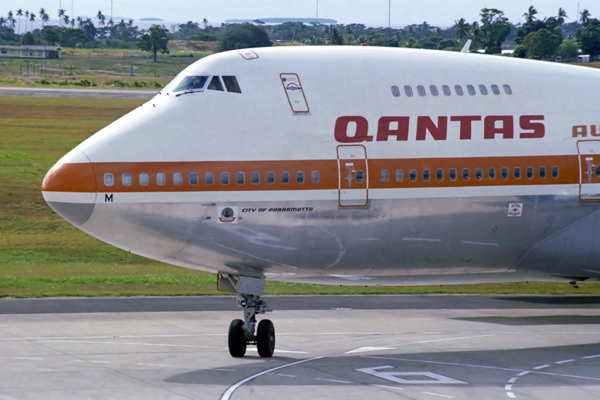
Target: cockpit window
(231, 84)
(215, 84)
(191, 83)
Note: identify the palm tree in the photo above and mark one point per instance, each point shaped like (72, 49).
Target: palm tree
(477, 36)
(66, 19)
(585, 16)
(205, 22)
(560, 18)
(530, 15)
(44, 17)
(297, 27)
(26, 18)
(101, 18)
(61, 13)
(79, 22)
(11, 19)
(2, 21)
(19, 14)
(461, 29)
(31, 19)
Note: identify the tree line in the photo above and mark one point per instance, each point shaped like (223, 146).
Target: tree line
(539, 38)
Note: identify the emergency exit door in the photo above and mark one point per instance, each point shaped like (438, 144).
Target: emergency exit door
(353, 172)
(589, 169)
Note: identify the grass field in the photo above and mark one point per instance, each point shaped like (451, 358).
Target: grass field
(43, 255)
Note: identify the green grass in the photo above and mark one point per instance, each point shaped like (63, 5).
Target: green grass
(43, 255)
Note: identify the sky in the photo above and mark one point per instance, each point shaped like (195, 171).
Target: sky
(372, 12)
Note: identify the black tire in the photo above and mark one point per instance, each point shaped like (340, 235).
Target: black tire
(237, 339)
(265, 338)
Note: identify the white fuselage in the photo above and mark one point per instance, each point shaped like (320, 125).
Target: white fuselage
(326, 169)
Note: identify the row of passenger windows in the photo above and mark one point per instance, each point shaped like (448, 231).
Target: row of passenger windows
(453, 174)
(447, 91)
(209, 178)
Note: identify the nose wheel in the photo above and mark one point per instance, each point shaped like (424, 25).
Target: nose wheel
(241, 332)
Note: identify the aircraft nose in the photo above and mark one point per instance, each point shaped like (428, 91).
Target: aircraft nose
(69, 188)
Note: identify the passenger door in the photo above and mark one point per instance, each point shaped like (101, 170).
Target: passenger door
(353, 173)
(589, 169)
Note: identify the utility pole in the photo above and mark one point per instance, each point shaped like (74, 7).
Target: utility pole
(390, 23)
(577, 12)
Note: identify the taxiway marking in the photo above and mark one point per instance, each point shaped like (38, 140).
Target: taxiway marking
(231, 390)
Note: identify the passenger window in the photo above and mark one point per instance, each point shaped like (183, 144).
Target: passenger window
(314, 177)
(408, 91)
(399, 175)
(285, 177)
(109, 179)
(529, 172)
(492, 174)
(126, 179)
(495, 90)
(215, 84)
(385, 175)
(434, 90)
(209, 178)
(144, 179)
(412, 175)
(191, 83)
(240, 178)
(255, 178)
(426, 175)
(446, 90)
(452, 175)
(479, 174)
(483, 90)
(555, 172)
(517, 173)
(543, 172)
(421, 90)
(395, 91)
(300, 177)
(193, 179)
(458, 89)
(470, 89)
(270, 177)
(177, 179)
(466, 174)
(224, 178)
(231, 84)
(439, 174)
(504, 173)
(507, 89)
(360, 176)
(161, 179)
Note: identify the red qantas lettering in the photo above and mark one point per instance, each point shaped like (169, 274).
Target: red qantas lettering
(438, 132)
(361, 130)
(400, 128)
(355, 129)
(538, 129)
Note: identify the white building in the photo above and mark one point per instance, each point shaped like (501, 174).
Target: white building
(30, 52)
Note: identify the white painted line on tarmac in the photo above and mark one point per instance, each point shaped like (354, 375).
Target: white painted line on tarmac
(508, 387)
(446, 363)
(284, 375)
(513, 380)
(523, 373)
(511, 395)
(442, 340)
(331, 380)
(388, 387)
(280, 351)
(439, 395)
(229, 392)
(541, 367)
(564, 361)
(132, 343)
(223, 369)
(26, 358)
(594, 356)
(368, 349)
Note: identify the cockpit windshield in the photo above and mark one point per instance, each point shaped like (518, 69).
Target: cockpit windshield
(190, 83)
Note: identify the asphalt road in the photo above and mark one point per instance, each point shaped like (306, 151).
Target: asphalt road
(89, 93)
(328, 347)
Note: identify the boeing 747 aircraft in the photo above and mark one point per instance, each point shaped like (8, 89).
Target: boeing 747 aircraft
(349, 165)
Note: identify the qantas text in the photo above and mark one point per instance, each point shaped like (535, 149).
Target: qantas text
(355, 129)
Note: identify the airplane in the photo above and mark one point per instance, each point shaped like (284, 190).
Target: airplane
(349, 166)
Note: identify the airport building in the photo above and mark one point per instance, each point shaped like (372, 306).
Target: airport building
(30, 52)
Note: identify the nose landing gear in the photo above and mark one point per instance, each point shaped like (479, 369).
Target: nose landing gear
(244, 332)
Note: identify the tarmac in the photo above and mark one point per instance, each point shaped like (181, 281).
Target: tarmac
(89, 93)
(328, 347)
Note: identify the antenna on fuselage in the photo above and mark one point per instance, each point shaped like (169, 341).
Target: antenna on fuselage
(466, 47)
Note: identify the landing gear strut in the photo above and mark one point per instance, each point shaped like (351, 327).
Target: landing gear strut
(244, 332)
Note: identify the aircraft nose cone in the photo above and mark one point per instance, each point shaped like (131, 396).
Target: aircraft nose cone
(69, 188)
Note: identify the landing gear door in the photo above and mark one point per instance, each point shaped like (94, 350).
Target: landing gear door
(353, 172)
(589, 169)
